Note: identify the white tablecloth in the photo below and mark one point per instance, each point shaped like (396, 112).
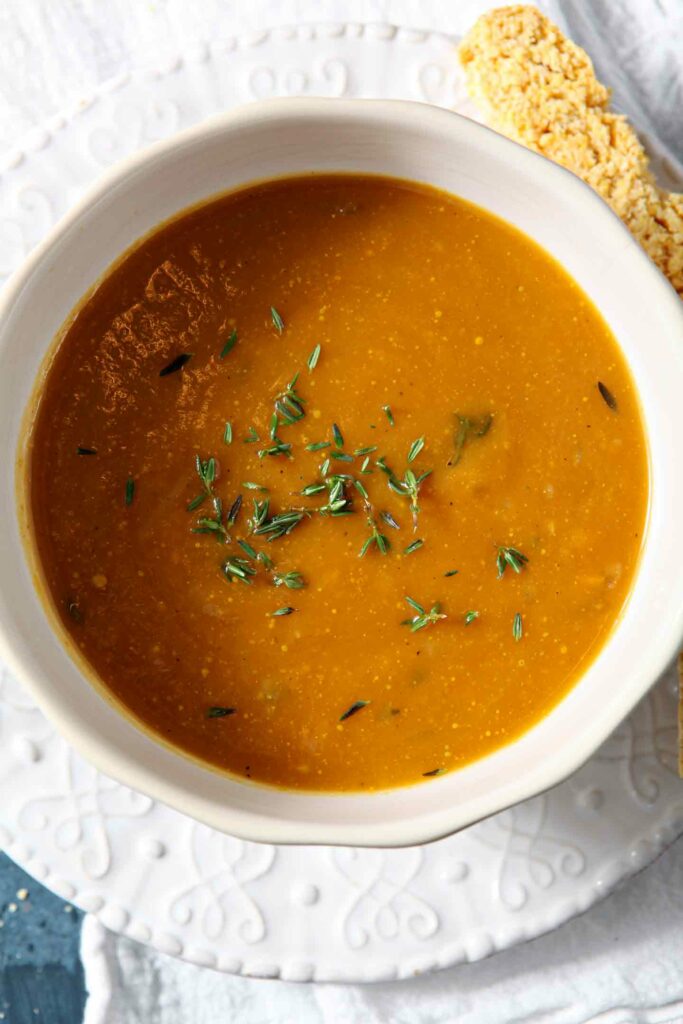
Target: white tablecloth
(622, 962)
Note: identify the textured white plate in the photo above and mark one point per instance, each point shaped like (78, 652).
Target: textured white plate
(312, 913)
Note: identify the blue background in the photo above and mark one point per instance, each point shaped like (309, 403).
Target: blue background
(41, 977)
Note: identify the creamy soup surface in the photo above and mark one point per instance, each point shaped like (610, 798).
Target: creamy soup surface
(338, 482)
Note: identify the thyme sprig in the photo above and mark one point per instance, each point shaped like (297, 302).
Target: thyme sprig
(376, 537)
(280, 525)
(289, 405)
(512, 557)
(423, 618)
(408, 487)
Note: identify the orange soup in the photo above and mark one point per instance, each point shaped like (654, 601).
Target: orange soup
(338, 482)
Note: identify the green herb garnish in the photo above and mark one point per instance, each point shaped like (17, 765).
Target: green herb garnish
(434, 771)
(470, 617)
(230, 344)
(415, 449)
(607, 395)
(280, 525)
(313, 358)
(408, 487)
(74, 612)
(220, 712)
(279, 448)
(386, 409)
(355, 707)
(366, 451)
(130, 490)
(176, 364)
(251, 437)
(86, 451)
(247, 548)
(235, 510)
(469, 428)
(289, 405)
(423, 617)
(227, 433)
(310, 489)
(290, 580)
(278, 322)
(318, 446)
(512, 557)
(415, 546)
(517, 627)
(338, 436)
(452, 572)
(389, 520)
(236, 568)
(251, 486)
(287, 610)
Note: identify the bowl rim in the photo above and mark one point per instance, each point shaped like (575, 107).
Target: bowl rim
(255, 825)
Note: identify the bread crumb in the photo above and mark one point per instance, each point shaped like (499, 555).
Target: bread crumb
(538, 88)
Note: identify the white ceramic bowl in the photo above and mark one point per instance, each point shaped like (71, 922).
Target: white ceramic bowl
(408, 141)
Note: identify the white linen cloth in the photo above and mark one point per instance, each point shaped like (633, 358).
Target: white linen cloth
(620, 963)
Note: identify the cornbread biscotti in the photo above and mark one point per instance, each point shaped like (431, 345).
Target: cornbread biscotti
(539, 88)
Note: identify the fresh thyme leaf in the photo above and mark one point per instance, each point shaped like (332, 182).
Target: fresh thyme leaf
(310, 489)
(280, 525)
(196, 502)
(452, 572)
(470, 617)
(365, 464)
(289, 405)
(251, 486)
(290, 580)
(219, 712)
(227, 433)
(74, 612)
(415, 546)
(287, 610)
(366, 451)
(408, 487)
(355, 707)
(361, 489)
(318, 446)
(386, 409)
(248, 549)
(279, 448)
(274, 424)
(235, 510)
(607, 396)
(313, 358)
(434, 771)
(236, 568)
(389, 520)
(423, 618)
(468, 428)
(278, 322)
(130, 490)
(176, 364)
(338, 436)
(512, 557)
(415, 449)
(325, 467)
(341, 456)
(251, 437)
(86, 451)
(265, 560)
(261, 509)
(230, 344)
(517, 627)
